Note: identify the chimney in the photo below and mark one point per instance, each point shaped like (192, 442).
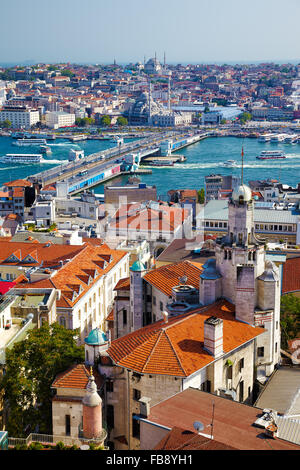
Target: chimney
(165, 317)
(144, 407)
(213, 336)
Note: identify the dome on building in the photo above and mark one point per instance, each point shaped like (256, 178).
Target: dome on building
(138, 266)
(96, 337)
(242, 192)
(269, 275)
(210, 271)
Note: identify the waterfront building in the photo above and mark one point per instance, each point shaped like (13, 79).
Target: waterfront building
(20, 116)
(57, 119)
(270, 224)
(216, 183)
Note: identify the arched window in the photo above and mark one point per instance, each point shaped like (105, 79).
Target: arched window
(86, 356)
(249, 256)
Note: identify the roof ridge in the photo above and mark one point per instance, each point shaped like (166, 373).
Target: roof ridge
(152, 351)
(176, 355)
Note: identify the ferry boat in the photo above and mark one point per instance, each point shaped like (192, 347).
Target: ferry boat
(291, 138)
(30, 142)
(271, 155)
(230, 164)
(21, 158)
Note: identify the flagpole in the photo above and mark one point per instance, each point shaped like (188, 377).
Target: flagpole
(242, 165)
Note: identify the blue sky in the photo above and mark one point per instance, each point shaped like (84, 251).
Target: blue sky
(98, 31)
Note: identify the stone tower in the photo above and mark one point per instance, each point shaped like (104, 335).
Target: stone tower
(94, 344)
(249, 281)
(240, 257)
(92, 413)
(137, 271)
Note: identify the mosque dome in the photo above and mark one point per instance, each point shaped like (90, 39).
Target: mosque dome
(242, 192)
(138, 266)
(96, 337)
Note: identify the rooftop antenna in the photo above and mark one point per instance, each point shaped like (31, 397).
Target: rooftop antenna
(212, 420)
(164, 60)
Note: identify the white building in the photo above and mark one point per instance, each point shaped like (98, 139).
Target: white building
(20, 116)
(56, 119)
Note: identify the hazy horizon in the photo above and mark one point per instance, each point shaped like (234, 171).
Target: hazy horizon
(198, 31)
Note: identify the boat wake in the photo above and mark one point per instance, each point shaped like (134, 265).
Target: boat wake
(51, 162)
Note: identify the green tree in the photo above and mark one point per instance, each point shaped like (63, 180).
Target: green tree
(201, 196)
(31, 366)
(67, 73)
(105, 120)
(122, 121)
(5, 124)
(289, 318)
(244, 117)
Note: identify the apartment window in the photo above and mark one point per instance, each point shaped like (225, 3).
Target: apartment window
(136, 394)
(62, 321)
(135, 428)
(110, 417)
(124, 316)
(276, 347)
(109, 386)
(261, 352)
(161, 306)
(154, 300)
(241, 365)
(275, 227)
(68, 425)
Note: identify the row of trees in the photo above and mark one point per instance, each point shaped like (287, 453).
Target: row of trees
(289, 318)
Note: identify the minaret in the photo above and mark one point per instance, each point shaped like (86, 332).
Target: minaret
(164, 60)
(169, 94)
(149, 104)
(92, 413)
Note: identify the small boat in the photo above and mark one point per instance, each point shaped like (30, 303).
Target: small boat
(45, 149)
(230, 164)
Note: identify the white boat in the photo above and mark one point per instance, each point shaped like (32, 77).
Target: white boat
(291, 138)
(118, 140)
(30, 142)
(21, 158)
(278, 138)
(230, 164)
(271, 155)
(265, 137)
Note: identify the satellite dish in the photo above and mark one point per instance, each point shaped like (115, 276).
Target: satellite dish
(198, 426)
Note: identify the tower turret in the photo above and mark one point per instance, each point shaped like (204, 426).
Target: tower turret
(92, 413)
(137, 271)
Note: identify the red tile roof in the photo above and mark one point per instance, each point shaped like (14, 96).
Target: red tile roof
(233, 421)
(183, 439)
(77, 377)
(166, 277)
(291, 275)
(136, 217)
(18, 184)
(79, 271)
(177, 348)
(123, 284)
